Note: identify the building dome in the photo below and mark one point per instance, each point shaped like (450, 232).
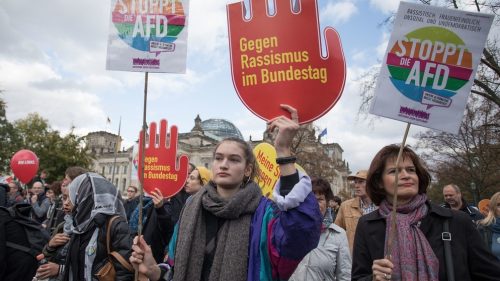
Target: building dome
(220, 128)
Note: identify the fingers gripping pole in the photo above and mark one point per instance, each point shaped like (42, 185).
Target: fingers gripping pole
(393, 229)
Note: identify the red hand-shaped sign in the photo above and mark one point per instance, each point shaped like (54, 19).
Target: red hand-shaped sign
(162, 169)
(276, 59)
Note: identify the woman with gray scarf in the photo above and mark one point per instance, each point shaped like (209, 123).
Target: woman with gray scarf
(95, 200)
(229, 231)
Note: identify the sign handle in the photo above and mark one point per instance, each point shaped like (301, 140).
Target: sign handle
(141, 187)
(393, 229)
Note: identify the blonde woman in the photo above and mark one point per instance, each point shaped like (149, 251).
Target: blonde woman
(490, 226)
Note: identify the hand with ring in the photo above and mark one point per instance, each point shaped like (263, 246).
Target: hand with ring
(382, 269)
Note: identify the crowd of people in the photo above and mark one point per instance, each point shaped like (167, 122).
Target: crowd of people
(221, 227)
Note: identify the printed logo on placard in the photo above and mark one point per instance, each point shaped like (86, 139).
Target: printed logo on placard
(429, 65)
(151, 26)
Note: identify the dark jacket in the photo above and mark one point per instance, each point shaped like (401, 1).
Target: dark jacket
(120, 242)
(15, 265)
(130, 205)
(4, 195)
(471, 258)
(157, 231)
(470, 210)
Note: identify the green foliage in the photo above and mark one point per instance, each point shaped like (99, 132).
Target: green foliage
(55, 152)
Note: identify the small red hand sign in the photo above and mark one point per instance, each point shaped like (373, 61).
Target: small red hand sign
(276, 59)
(162, 168)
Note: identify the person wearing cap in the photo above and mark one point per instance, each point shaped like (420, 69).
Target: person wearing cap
(199, 177)
(351, 210)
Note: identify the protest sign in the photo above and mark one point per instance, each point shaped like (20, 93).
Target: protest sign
(269, 172)
(430, 65)
(162, 168)
(277, 59)
(148, 36)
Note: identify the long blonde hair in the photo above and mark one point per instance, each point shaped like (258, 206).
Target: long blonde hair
(490, 218)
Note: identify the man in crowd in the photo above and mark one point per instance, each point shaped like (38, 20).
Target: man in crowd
(454, 200)
(39, 201)
(351, 210)
(131, 202)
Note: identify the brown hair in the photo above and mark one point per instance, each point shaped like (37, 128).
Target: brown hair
(374, 186)
(75, 171)
(322, 187)
(248, 155)
(56, 187)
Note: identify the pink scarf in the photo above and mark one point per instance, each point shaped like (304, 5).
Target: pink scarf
(411, 254)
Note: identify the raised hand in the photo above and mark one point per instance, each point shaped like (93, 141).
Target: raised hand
(276, 59)
(162, 168)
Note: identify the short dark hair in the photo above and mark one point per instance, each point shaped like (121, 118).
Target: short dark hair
(322, 187)
(374, 186)
(75, 171)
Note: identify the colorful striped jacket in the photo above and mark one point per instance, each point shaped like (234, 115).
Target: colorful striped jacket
(282, 232)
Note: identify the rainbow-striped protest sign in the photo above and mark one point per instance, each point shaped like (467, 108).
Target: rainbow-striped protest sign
(148, 36)
(429, 66)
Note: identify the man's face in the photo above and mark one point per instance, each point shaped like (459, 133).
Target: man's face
(359, 187)
(37, 188)
(452, 197)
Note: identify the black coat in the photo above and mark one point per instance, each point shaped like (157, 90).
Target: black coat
(121, 242)
(471, 258)
(15, 265)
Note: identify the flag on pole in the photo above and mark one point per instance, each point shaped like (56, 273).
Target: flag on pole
(323, 133)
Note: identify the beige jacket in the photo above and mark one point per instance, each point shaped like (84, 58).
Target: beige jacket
(347, 218)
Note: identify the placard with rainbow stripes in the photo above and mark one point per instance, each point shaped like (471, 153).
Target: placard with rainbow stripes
(148, 35)
(429, 65)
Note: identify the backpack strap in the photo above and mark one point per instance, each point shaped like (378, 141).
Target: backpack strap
(22, 248)
(115, 254)
(108, 233)
(122, 261)
(448, 258)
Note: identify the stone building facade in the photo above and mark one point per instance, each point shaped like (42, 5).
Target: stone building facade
(316, 158)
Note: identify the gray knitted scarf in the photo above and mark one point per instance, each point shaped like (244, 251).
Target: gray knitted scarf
(231, 253)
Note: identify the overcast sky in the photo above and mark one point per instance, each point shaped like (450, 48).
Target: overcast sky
(53, 56)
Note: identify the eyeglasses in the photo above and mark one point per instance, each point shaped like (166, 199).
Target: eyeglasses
(131, 190)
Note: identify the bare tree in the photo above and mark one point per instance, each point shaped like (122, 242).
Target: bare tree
(471, 158)
(487, 80)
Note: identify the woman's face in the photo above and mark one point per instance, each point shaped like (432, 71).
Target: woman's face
(407, 182)
(67, 205)
(497, 209)
(230, 166)
(193, 183)
(322, 202)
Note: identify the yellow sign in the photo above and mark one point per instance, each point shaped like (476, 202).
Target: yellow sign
(269, 171)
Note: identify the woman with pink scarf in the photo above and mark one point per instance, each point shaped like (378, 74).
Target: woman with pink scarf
(417, 250)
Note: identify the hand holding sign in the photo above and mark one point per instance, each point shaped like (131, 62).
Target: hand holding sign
(277, 60)
(161, 169)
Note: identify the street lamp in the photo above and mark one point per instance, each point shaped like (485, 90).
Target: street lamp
(474, 194)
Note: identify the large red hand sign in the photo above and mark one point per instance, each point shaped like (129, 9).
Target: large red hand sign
(276, 59)
(162, 169)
